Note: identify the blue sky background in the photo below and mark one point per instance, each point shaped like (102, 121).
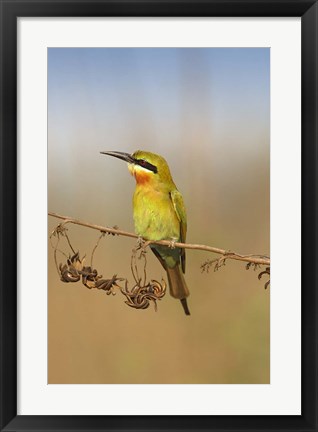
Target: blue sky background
(226, 86)
(207, 111)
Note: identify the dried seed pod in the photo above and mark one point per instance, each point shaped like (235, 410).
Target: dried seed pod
(108, 284)
(267, 272)
(89, 276)
(139, 297)
(75, 261)
(159, 290)
(68, 273)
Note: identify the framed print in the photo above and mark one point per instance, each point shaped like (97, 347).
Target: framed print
(165, 313)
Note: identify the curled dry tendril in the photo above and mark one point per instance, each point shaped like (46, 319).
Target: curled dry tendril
(73, 269)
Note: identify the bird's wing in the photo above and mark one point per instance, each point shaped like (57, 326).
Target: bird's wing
(180, 210)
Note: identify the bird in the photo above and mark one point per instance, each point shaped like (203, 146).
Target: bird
(159, 214)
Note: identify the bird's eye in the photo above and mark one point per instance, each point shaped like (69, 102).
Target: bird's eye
(143, 163)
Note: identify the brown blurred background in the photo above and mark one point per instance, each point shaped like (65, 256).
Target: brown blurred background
(207, 112)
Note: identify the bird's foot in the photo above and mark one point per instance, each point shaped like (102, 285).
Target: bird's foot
(142, 243)
(172, 244)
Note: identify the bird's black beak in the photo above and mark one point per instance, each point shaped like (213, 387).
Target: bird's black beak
(120, 155)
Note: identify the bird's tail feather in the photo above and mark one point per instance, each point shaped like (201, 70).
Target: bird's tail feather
(178, 286)
(185, 306)
(177, 283)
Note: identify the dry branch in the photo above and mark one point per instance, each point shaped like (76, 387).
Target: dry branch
(226, 254)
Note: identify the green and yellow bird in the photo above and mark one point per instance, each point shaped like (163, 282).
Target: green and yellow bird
(159, 214)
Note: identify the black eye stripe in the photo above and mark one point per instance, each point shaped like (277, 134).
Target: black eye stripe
(147, 165)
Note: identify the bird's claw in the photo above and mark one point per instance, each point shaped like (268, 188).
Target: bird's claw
(172, 244)
(140, 242)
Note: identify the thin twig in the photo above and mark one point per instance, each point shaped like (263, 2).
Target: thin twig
(95, 247)
(69, 242)
(252, 258)
(56, 250)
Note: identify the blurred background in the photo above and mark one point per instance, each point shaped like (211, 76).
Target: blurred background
(207, 111)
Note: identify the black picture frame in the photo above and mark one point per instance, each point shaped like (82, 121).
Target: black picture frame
(10, 11)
